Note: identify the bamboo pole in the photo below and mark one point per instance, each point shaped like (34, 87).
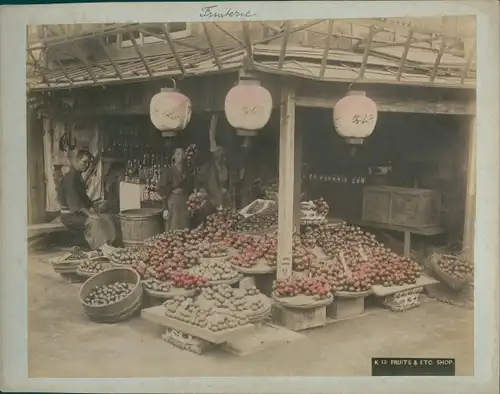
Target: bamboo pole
(326, 49)
(87, 66)
(64, 71)
(212, 47)
(284, 45)
(292, 31)
(139, 53)
(229, 34)
(39, 67)
(366, 53)
(439, 56)
(108, 55)
(470, 204)
(405, 55)
(173, 49)
(248, 39)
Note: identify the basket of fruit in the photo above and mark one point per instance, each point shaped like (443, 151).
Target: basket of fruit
(112, 295)
(92, 267)
(127, 257)
(451, 270)
(297, 292)
(69, 262)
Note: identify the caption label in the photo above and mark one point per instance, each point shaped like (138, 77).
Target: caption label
(413, 367)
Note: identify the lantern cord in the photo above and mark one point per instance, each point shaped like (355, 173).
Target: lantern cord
(173, 82)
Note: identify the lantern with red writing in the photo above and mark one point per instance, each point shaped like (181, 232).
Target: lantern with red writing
(248, 107)
(355, 116)
(170, 111)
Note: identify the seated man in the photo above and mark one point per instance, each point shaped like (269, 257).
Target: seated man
(77, 211)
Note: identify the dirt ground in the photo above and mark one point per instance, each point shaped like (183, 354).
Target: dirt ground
(63, 343)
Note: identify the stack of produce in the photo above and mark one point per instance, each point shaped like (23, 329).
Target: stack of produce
(92, 266)
(455, 267)
(187, 281)
(129, 256)
(258, 223)
(322, 207)
(196, 201)
(156, 285)
(215, 271)
(346, 239)
(317, 287)
(224, 298)
(341, 281)
(109, 294)
(212, 250)
(310, 234)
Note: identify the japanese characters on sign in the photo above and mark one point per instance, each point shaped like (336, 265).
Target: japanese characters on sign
(355, 115)
(170, 110)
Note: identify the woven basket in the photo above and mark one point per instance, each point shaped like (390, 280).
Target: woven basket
(451, 281)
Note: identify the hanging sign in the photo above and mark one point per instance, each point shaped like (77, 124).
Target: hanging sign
(170, 111)
(355, 116)
(248, 107)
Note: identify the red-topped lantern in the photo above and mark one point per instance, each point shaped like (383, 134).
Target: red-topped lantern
(170, 111)
(355, 116)
(248, 106)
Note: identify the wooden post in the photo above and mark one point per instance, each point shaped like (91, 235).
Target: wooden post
(297, 187)
(470, 199)
(286, 181)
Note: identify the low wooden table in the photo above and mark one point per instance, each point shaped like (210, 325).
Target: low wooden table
(428, 232)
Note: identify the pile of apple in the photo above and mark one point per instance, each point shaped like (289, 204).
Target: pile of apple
(215, 271)
(339, 280)
(257, 223)
(457, 268)
(346, 239)
(196, 201)
(129, 256)
(212, 250)
(317, 287)
(184, 280)
(321, 206)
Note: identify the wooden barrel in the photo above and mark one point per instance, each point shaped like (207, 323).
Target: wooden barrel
(118, 310)
(137, 225)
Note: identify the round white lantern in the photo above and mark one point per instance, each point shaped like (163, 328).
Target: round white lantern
(248, 107)
(170, 111)
(355, 116)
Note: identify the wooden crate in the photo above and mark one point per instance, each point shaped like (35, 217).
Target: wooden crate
(298, 319)
(400, 206)
(341, 308)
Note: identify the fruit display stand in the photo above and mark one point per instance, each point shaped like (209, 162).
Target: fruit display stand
(402, 298)
(261, 274)
(347, 304)
(300, 312)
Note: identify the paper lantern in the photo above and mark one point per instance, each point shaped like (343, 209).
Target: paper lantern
(170, 111)
(355, 116)
(248, 107)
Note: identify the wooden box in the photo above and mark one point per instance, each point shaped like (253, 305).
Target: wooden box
(298, 319)
(400, 206)
(342, 308)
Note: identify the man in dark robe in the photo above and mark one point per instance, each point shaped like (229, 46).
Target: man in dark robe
(175, 186)
(77, 210)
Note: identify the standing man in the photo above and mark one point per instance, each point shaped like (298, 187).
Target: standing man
(175, 186)
(78, 213)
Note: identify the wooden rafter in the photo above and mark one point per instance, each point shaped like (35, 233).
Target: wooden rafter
(468, 63)
(326, 49)
(173, 49)
(162, 37)
(110, 58)
(248, 39)
(292, 31)
(37, 66)
(212, 47)
(405, 55)
(284, 44)
(139, 53)
(366, 53)
(271, 27)
(64, 71)
(236, 39)
(87, 66)
(439, 56)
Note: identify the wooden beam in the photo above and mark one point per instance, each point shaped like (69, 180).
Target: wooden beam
(286, 182)
(138, 50)
(468, 63)
(405, 55)
(470, 199)
(247, 39)
(64, 71)
(38, 67)
(326, 49)
(284, 44)
(397, 105)
(108, 55)
(366, 52)
(297, 187)
(212, 47)
(87, 66)
(439, 56)
(294, 30)
(236, 39)
(173, 49)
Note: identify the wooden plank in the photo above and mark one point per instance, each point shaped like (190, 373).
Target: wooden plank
(470, 199)
(64, 71)
(247, 39)
(284, 45)
(286, 181)
(468, 63)
(173, 49)
(108, 55)
(139, 53)
(407, 105)
(326, 49)
(236, 39)
(294, 30)
(382, 291)
(405, 55)
(212, 47)
(297, 187)
(87, 66)
(439, 56)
